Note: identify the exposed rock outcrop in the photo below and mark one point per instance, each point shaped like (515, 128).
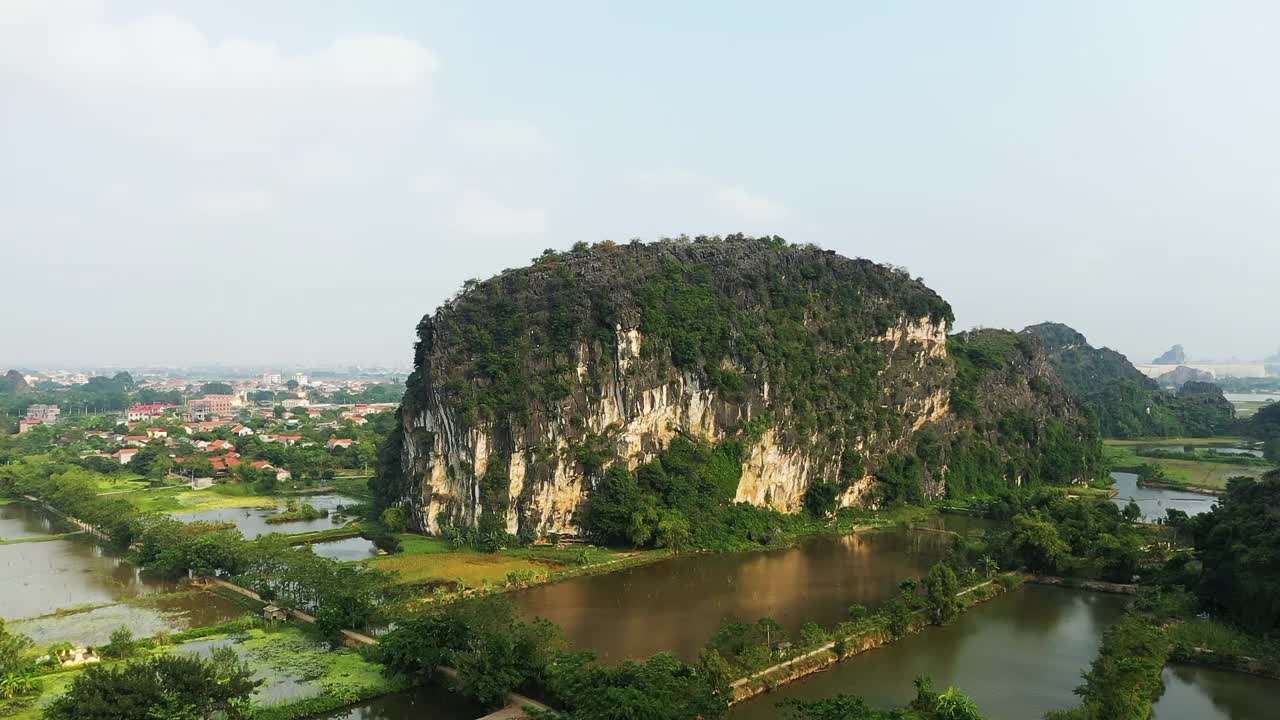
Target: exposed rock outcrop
(528, 384)
(1173, 356)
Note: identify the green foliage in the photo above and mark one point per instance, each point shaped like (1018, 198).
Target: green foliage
(952, 704)
(1237, 543)
(1265, 424)
(121, 645)
(1125, 679)
(736, 313)
(13, 657)
(1056, 535)
(683, 498)
(660, 688)
(940, 588)
(494, 652)
(176, 687)
(396, 518)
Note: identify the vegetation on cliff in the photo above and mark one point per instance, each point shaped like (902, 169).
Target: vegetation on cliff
(1121, 400)
(736, 311)
(838, 361)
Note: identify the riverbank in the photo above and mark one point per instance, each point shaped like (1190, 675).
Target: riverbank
(875, 634)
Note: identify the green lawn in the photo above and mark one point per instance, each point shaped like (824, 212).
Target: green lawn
(183, 499)
(117, 483)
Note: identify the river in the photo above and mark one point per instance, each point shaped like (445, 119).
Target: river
(1155, 501)
(678, 604)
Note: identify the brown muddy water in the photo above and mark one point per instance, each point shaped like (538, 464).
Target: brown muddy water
(144, 617)
(38, 578)
(19, 521)
(678, 604)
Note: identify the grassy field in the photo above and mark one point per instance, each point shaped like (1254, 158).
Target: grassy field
(1247, 408)
(1197, 442)
(182, 499)
(118, 483)
(1192, 474)
(426, 559)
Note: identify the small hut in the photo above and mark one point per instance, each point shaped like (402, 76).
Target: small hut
(72, 657)
(272, 613)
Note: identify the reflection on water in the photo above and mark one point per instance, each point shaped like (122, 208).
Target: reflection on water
(252, 521)
(1194, 693)
(20, 520)
(421, 703)
(170, 613)
(679, 604)
(1018, 656)
(41, 577)
(1155, 501)
(345, 550)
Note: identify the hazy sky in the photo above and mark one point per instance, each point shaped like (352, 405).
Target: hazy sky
(246, 181)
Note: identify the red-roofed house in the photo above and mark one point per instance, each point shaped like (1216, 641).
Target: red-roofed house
(282, 439)
(26, 424)
(339, 442)
(241, 430)
(125, 455)
(222, 463)
(281, 474)
(157, 433)
(218, 445)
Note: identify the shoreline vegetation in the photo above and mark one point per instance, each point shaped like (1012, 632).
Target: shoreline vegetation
(1032, 540)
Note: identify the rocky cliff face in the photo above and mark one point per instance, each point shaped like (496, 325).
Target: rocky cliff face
(526, 386)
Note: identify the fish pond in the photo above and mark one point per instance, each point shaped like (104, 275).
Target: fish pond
(253, 521)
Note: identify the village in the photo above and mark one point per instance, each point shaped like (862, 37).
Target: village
(262, 429)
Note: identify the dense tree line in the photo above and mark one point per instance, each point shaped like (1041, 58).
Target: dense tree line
(494, 653)
(1238, 546)
(1052, 534)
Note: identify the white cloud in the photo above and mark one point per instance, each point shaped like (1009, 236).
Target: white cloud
(749, 206)
(83, 50)
(481, 214)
